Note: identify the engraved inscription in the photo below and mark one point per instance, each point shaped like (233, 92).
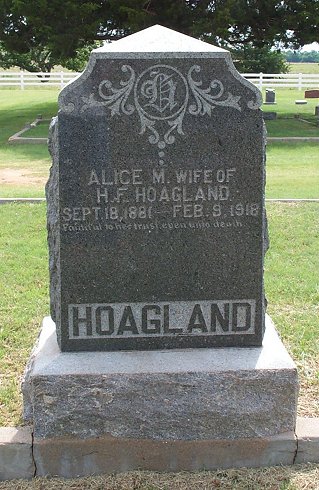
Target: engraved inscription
(204, 318)
(155, 199)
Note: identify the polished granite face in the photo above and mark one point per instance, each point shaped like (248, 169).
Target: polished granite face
(156, 203)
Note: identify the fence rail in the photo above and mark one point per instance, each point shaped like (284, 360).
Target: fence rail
(60, 79)
(285, 80)
(27, 79)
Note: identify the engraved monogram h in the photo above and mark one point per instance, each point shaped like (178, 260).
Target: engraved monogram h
(160, 90)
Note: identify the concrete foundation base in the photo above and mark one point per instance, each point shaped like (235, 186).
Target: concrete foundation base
(70, 458)
(16, 459)
(21, 457)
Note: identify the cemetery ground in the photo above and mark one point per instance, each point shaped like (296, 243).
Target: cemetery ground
(290, 275)
(311, 68)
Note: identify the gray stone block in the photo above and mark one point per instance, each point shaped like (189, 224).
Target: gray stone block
(307, 431)
(16, 453)
(73, 457)
(193, 394)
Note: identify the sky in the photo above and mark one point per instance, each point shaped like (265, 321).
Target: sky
(311, 47)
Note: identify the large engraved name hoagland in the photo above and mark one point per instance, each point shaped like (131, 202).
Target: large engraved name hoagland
(156, 200)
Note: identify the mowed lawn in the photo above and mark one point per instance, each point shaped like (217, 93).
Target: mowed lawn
(311, 68)
(24, 168)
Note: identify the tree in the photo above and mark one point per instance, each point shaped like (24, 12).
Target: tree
(252, 59)
(37, 34)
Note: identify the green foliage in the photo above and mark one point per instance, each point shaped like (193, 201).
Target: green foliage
(40, 59)
(38, 34)
(251, 59)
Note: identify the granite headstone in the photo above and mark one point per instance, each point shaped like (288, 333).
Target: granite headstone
(270, 96)
(156, 215)
(269, 116)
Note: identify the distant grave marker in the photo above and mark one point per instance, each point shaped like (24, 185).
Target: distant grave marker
(270, 97)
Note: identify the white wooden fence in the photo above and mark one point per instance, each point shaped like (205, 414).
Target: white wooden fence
(24, 79)
(27, 79)
(284, 80)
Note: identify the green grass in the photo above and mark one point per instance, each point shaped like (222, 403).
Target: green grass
(290, 116)
(17, 109)
(291, 128)
(285, 104)
(292, 170)
(291, 280)
(41, 130)
(24, 297)
(311, 68)
(291, 288)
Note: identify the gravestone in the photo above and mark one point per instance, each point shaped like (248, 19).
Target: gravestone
(157, 237)
(269, 116)
(159, 227)
(312, 94)
(270, 96)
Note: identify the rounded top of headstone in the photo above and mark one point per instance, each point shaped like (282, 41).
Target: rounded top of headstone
(159, 39)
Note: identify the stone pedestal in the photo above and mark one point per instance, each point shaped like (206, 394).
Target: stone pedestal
(217, 399)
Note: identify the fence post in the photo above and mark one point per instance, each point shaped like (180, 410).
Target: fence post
(260, 85)
(21, 80)
(300, 81)
(62, 80)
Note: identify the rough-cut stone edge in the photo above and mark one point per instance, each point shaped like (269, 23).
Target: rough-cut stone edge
(16, 453)
(307, 431)
(53, 225)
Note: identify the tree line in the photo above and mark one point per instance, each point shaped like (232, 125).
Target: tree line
(301, 56)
